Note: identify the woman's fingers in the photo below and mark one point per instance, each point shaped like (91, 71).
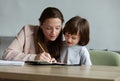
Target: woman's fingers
(53, 60)
(47, 55)
(43, 57)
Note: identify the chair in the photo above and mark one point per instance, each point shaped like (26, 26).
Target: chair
(109, 58)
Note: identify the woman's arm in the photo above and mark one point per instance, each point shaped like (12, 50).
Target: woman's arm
(16, 50)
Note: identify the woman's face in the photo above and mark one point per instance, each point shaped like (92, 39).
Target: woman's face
(51, 28)
(72, 39)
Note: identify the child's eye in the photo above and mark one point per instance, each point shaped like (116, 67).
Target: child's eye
(74, 38)
(67, 35)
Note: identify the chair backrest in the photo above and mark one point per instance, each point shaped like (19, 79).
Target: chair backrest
(109, 58)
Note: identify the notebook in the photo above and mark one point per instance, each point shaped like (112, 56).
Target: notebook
(37, 62)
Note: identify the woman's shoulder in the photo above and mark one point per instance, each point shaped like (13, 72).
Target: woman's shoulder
(30, 27)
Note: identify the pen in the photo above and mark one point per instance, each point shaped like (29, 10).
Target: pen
(41, 47)
(44, 50)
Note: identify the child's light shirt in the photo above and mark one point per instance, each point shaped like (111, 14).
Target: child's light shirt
(75, 55)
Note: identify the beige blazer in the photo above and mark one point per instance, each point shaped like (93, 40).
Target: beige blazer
(22, 48)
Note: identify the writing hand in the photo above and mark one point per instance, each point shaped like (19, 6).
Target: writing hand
(53, 60)
(43, 57)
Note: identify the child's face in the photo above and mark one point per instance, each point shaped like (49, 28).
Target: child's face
(72, 39)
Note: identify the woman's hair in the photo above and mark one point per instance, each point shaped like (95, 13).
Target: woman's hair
(51, 12)
(52, 47)
(78, 25)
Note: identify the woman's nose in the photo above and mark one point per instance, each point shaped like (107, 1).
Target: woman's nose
(53, 31)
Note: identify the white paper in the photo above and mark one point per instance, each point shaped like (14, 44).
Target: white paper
(6, 62)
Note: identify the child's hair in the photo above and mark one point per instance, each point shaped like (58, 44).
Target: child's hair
(79, 25)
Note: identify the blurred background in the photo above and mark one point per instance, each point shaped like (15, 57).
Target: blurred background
(103, 16)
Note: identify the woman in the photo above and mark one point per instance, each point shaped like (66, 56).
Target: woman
(26, 46)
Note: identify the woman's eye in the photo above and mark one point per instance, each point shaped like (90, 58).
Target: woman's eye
(57, 28)
(48, 28)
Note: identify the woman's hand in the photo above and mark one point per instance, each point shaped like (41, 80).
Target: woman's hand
(43, 57)
(53, 60)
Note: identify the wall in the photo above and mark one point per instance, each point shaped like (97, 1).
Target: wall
(103, 16)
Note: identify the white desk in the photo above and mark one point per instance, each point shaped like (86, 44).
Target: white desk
(60, 73)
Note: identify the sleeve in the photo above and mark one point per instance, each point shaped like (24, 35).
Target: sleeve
(15, 50)
(85, 57)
